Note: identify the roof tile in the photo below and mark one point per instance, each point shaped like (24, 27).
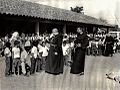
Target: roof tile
(19, 7)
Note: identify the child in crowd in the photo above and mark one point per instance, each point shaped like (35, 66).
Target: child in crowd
(28, 45)
(40, 51)
(7, 54)
(100, 47)
(24, 56)
(34, 54)
(89, 48)
(16, 58)
(94, 47)
(44, 54)
(66, 52)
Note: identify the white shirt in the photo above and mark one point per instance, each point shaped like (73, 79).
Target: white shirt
(33, 38)
(7, 52)
(16, 52)
(45, 51)
(27, 43)
(65, 49)
(40, 48)
(34, 51)
(118, 42)
(90, 42)
(51, 35)
(72, 44)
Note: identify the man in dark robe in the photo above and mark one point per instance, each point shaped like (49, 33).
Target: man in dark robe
(109, 43)
(54, 62)
(81, 44)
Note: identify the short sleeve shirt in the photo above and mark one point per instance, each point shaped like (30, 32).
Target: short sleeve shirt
(8, 52)
(16, 52)
(34, 51)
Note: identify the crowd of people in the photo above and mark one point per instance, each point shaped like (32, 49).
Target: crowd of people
(27, 54)
(105, 45)
(30, 54)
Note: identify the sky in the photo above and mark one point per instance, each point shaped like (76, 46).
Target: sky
(106, 9)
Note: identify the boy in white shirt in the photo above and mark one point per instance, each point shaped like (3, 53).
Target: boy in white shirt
(7, 54)
(16, 58)
(34, 54)
(66, 53)
(40, 52)
(44, 54)
(40, 48)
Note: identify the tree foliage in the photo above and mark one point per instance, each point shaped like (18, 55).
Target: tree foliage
(77, 9)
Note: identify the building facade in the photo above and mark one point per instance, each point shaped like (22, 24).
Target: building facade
(28, 17)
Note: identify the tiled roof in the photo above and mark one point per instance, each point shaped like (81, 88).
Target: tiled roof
(25, 8)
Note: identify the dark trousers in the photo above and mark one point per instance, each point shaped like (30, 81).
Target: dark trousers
(38, 62)
(66, 62)
(103, 50)
(99, 50)
(16, 66)
(11, 66)
(108, 50)
(33, 65)
(27, 67)
(43, 63)
(7, 69)
(88, 51)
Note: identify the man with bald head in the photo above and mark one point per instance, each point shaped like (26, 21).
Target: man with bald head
(54, 62)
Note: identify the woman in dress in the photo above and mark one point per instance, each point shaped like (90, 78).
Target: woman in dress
(81, 44)
(54, 61)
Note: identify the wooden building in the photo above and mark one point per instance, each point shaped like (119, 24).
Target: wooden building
(28, 17)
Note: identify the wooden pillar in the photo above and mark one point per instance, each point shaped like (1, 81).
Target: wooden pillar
(64, 28)
(108, 29)
(86, 28)
(94, 28)
(37, 28)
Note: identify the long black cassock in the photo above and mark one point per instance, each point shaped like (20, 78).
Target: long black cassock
(79, 54)
(54, 63)
(109, 42)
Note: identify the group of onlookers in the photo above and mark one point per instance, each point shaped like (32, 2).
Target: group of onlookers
(30, 54)
(27, 54)
(104, 45)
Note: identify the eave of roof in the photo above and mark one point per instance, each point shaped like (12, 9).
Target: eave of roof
(25, 8)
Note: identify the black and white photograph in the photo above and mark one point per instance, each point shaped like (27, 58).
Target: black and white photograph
(59, 44)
